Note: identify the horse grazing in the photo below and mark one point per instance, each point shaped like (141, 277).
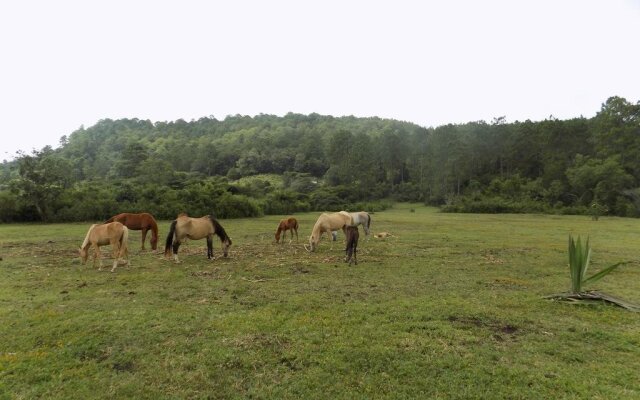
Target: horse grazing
(352, 235)
(139, 222)
(114, 234)
(327, 222)
(288, 224)
(195, 228)
(361, 218)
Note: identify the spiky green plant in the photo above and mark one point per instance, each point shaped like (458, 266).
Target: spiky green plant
(579, 258)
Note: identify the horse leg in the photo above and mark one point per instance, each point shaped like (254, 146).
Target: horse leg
(209, 247)
(176, 246)
(144, 236)
(115, 246)
(355, 254)
(97, 256)
(296, 229)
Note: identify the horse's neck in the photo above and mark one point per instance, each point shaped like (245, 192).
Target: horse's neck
(86, 241)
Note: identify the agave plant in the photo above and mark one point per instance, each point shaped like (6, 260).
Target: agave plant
(579, 258)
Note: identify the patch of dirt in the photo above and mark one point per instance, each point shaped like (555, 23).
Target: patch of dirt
(497, 327)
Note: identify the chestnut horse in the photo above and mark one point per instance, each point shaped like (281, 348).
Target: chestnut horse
(114, 234)
(139, 222)
(328, 222)
(288, 224)
(195, 228)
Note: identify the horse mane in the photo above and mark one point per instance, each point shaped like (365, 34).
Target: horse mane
(154, 225)
(315, 232)
(222, 234)
(85, 243)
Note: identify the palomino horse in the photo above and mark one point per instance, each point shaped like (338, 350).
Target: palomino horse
(288, 224)
(361, 218)
(195, 228)
(140, 222)
(114, 234)
(352, 234)
(327, 222)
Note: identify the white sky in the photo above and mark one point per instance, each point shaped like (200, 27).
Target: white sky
(66, 63)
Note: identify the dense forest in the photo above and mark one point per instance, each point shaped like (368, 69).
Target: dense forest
(249, 166)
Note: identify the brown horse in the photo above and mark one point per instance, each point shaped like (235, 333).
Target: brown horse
(327, 222)
(114, 234)
(195, 228)
(352, 234)
(139, 222)
(288, 224)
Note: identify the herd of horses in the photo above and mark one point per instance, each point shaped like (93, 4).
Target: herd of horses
(115, 232)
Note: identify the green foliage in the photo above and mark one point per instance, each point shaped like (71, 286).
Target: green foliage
(579, 259)
(546, 166)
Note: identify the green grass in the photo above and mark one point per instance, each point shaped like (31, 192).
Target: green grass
(450, 307)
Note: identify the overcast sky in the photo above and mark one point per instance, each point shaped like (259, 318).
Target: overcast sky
(64, 64)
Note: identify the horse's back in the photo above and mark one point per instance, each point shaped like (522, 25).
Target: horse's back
(194, 228)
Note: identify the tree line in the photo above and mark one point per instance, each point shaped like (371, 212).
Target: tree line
(249, 166)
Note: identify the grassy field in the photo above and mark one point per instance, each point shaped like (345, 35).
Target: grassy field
(450, 307)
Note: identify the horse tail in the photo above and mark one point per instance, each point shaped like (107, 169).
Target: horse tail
(124, 241)
(368, 220)
(219, 230)
(154, 226)
(169, 242)
(295, 224)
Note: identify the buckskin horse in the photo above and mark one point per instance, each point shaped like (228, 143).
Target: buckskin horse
(327, 222)
(114, 234)
(139, 222)
(195, 228)
(287, 224)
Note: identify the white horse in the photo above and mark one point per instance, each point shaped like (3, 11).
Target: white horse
(360, 218)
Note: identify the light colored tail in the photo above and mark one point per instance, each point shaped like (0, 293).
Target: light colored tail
(124, 243)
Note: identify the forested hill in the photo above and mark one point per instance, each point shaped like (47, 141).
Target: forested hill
(236, 146)
(244, 166)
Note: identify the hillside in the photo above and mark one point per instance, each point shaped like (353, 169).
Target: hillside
(573, 166)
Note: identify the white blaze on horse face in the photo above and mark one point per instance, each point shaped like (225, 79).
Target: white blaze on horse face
(225, 248)
(175, 258)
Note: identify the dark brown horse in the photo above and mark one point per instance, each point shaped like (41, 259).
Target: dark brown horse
(288, 224)
(139, 222)
(352, 244)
